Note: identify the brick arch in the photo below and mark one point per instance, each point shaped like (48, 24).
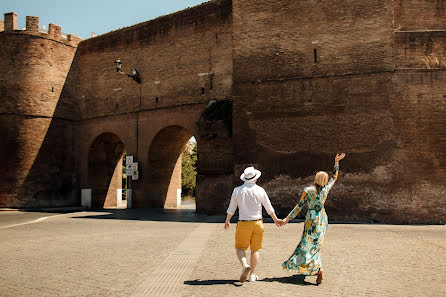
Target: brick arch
(163, 176)
(105, 169)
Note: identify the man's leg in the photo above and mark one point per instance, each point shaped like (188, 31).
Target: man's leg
(255, 255)
(241, 255)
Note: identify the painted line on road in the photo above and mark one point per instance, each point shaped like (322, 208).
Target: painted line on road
(26, 223)
(169, 277)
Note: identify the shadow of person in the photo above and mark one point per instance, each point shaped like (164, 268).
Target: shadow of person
(297, 279)
(211, 282)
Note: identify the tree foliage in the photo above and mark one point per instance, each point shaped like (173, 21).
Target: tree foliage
(189, 171)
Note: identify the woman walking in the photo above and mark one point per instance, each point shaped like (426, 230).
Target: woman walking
(306, 258)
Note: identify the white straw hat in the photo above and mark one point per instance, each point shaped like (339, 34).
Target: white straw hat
(250, 173)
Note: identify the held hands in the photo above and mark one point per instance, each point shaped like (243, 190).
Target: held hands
(339, 157)
(226, 225)
(279, 223)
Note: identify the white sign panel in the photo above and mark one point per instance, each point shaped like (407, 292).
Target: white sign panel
(128, 165)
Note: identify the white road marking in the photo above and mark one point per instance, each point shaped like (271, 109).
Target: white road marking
(25, 223)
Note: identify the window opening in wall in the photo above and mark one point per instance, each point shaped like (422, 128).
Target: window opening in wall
(315, 55)
(202, 91)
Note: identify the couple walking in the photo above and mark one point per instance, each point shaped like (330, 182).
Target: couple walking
(249, 198)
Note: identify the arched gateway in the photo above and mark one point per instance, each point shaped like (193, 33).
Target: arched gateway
(163, 176)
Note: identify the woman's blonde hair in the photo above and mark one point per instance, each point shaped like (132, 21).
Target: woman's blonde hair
(320, 180)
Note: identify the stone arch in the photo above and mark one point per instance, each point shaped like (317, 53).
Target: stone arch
(163, 177)
(105, 169)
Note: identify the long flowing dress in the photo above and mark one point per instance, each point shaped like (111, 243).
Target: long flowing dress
(306, 258)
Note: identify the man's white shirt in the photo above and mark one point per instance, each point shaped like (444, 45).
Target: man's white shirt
(249, 199)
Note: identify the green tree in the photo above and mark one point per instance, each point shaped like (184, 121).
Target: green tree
(189, 171)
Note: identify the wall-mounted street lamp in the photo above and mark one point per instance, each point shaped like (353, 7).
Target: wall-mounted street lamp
(134, 75)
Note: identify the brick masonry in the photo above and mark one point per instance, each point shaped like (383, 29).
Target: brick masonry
(283, 85)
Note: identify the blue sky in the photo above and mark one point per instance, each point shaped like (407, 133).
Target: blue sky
(82, 17)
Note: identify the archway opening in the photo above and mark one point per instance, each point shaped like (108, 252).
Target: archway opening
(105, 159)
(165, 176)
(189, 168)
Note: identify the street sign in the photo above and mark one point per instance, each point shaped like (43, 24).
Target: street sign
(128, 165)
(135, 172)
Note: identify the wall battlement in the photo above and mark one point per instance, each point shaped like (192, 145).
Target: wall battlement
(9, 24)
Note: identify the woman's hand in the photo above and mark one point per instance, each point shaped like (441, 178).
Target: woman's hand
(339, 157)
(286, 220)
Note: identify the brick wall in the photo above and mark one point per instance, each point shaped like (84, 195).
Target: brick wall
(278, 39)
(419, 15)
(170, 53)
(38, 158)
(185, 62)
(420, 50)
(292, 113)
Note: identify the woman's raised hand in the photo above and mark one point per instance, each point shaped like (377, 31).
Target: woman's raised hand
(339, 157)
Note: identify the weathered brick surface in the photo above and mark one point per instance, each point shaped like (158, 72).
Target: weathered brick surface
(185, 62)
(277, 39)
(38, 158)
(283, 85)
(292, 113)
(420, 50)
(32, 23)
(419, 15)
(10, 21)
(170, 53)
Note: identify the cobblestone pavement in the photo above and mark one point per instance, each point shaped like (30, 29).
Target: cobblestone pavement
(149, 253)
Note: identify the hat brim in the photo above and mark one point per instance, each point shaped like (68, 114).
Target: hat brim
(258, 174)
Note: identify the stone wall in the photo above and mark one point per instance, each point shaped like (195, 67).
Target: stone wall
(38, 155)
(185, 63)
(309, 82)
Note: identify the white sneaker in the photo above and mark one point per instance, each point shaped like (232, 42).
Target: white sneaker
(253, 277)
(245, 271)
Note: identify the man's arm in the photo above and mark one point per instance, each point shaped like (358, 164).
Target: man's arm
(228, 219)
(270, 210)
(278, 222)
(231, 209)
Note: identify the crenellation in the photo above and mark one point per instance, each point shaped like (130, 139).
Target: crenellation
(282, 84)
(32, 23)
(54, 31)
(11, 21)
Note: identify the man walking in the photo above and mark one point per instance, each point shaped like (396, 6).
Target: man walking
(249, 199)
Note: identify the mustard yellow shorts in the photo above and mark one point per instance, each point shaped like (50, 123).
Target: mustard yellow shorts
(249, 234)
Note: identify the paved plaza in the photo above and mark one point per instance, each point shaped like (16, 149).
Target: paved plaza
(141, 252)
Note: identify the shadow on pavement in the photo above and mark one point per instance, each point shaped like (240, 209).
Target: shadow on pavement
(212, 282)
(151, 214)
(297, 279)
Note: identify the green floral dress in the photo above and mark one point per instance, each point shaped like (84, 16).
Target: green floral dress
(306, 258)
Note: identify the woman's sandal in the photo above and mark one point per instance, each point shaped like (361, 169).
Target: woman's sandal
(320, 277)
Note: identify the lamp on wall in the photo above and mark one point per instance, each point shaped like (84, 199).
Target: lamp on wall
(134, 75)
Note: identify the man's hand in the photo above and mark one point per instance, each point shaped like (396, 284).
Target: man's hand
(279, 223)
(226, 225)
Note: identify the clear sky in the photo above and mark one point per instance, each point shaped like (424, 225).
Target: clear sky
(82, 17)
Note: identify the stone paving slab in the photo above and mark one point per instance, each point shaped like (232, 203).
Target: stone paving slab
(358, 260)
(114, 253)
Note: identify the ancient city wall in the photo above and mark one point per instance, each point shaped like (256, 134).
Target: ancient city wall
(322, 80)
(37, 129)
(185, 63)
(419, 15)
